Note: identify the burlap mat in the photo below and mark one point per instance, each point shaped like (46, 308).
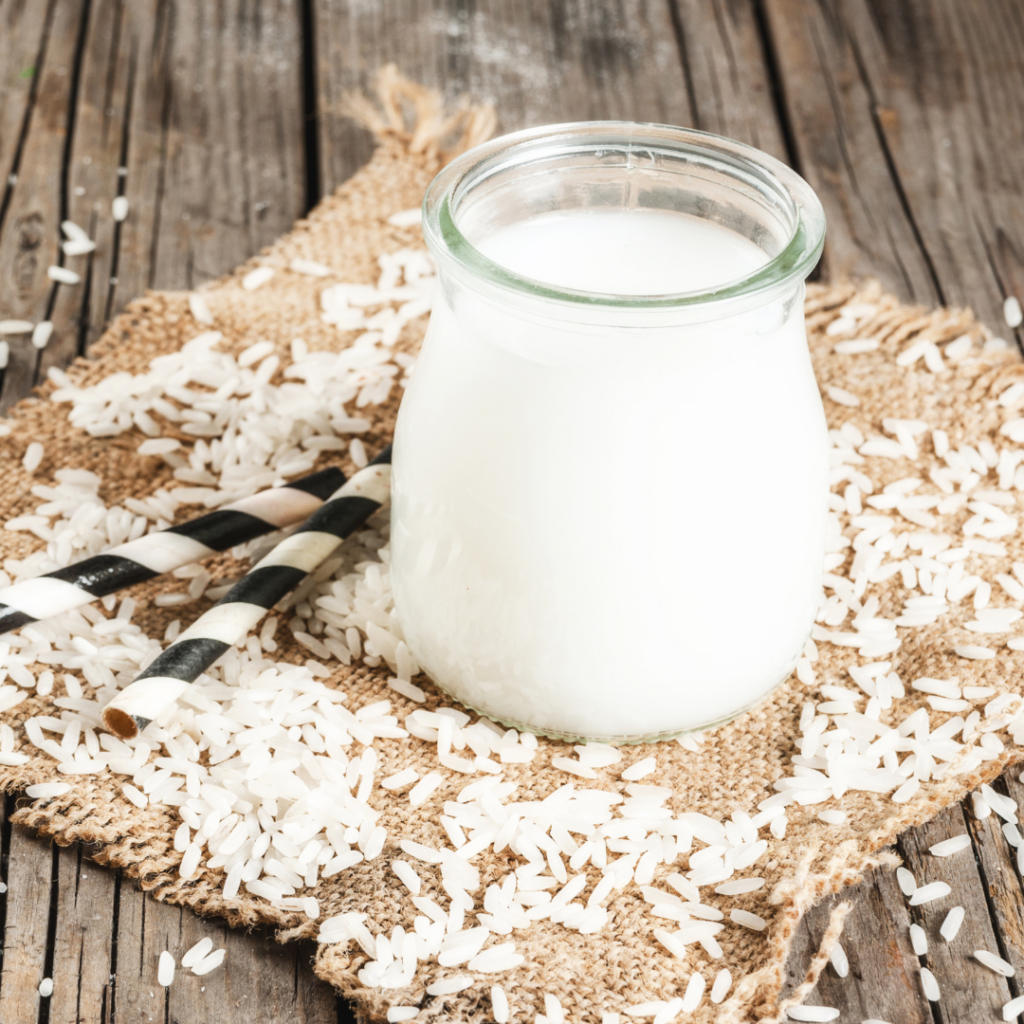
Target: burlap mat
(735, 767)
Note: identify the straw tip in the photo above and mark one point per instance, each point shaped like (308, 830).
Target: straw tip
(121, 724)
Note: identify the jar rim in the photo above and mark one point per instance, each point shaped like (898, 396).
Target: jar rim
(794, 261)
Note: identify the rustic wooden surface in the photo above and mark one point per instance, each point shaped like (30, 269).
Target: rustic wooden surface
(222, 122)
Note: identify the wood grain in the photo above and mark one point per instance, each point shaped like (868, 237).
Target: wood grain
(728, 71)
(257, 981)
(883, 983)
(30, 239)
(1003, 887)
(232, 177)
(283, 988)
(23, 28)
(82, 939)
(538, 62)
(970, 991)
(202, 106)
(143, 930)
(97, 147)
(840, 152)
(32, 890)
(947, 85)
(212, 138)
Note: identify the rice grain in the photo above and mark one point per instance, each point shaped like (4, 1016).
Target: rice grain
(929, 893)
(720, 987)
(951, 924)
(1013, 1009)
(165, 969)
(818, 1014)
(950, 846)
(994, 963)
(930, 986)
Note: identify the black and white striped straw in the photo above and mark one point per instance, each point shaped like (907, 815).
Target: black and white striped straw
(160, 552)
(238, 612)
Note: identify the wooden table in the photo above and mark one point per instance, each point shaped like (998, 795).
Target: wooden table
(221, 121)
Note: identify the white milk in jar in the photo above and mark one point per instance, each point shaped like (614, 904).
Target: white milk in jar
(610, 467)
(631, 252)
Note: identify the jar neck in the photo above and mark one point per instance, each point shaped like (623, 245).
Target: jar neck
(491, 317)
(623, 166)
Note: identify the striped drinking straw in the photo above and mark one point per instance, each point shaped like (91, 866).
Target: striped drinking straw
(238, 612)
(155, 553)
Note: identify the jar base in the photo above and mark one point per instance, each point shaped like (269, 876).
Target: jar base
(628, 740)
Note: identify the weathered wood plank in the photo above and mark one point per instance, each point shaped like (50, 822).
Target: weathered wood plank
(883, 983)
(211, 128)
(29, 242)
(728, 72)
(143, 929)
(114, 35)
(202, 104)
(82, 940)
(23, 27)
(147, 37)
(840, 152)
(969, 991)
(26, 926)
(884, 979)
(258, 981)
(537, 62)
(106, 942)
(5, 850)
(1003, 881)
(947, 83)
(229, 117)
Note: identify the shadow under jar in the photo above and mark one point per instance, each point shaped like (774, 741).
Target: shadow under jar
(610, 466)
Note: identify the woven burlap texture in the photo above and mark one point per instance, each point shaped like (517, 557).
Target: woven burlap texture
(736, 764)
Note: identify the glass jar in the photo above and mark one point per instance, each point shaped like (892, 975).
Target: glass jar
(608, 509)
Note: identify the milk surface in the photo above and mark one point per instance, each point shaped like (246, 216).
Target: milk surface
(624, 252)
(607, 531)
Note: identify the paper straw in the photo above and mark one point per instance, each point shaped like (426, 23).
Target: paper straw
(238, 612)
(156, 553)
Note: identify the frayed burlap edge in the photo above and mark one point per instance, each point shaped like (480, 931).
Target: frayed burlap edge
(121, 836)
(416, 117)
